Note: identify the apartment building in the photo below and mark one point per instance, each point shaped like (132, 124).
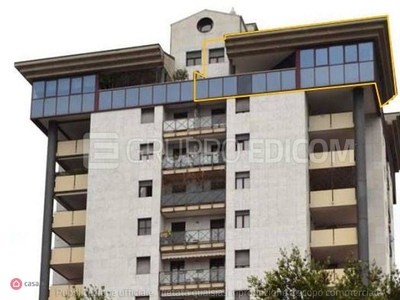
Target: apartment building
(176, 189)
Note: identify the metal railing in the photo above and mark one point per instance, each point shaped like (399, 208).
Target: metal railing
(217, 121)
(193, 160)
(192, 276)
(185, 199)
(193, 237)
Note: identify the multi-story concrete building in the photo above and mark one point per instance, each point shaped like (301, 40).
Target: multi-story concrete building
(161, 188)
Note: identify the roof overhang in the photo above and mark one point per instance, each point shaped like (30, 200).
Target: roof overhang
(133, 58)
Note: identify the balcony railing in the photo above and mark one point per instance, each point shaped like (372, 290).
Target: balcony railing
(193, 237)
(332, 159)
(189, 161)
(208, 122)
(186, 199)
(336, 197)
(331, 121)
(62, 292)
(68, 183)
(72, 148)
(192, 276)
(334, 237)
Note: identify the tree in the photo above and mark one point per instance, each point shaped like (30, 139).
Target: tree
(180, 74)
(90, 293)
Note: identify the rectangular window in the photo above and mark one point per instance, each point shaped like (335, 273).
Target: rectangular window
(145, 188)
(242, 219)
(143, 265)
(242, 258)
(242, 142)
(144, 226)
(147, 115)
(142, 298)
(146, 151)
(193, 58)
(242, 105)
(242, 180)
(242, 295)
(216, 55)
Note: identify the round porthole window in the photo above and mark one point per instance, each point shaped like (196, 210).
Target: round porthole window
(205, 25)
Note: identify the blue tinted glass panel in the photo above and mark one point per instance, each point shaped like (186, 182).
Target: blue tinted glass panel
(118, 99)
(288, 80)
(274, 81)
(215, 87)
(132, 97)
(202, 89)
(75, 104)
(159, 94)
(89, 84)
(145, 95)
(351, 73)
(307, 78)
(322, 76)
(173, 92)
(336, 55)
(88, 102)
(51, 88)
(186, 91)
(367, 71)
(259, 83)
(62, 105)
(336, 74)
(321, 57)
(366, 51)
(76, 85)
(350, 53)
(244, 84)
(37, 109)
(38, 90)
(49, 107)
(63, 87)
(307, 58)
(230, 87)
(105, 100)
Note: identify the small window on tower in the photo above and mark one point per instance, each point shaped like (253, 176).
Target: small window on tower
(205, 25)
(216, 56)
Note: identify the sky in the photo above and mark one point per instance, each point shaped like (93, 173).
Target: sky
(41, 28)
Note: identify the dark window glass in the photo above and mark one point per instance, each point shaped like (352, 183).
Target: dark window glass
(193, 58)
(88, 102)
(38, 90)
(75, 104)
(186, 91)
(242, 142)
(144, 226)
(145, 95)
(350, 53)
(336, 74)
(143, 265)
(242, 105)
(366, 51)
(147, 115)
(322, 76)
(288, 80)
(244, 84)
(242, 295)
(230, 87)
(159, 94)
(76, 85)
(62, 105)
(242, 258)
(367, 71)
(242, 180)
(173, 92)
(105, 100)
(37, 109)
(145, 188)
(351, 73)
(63, 87)
(205, 25)
(89, 84)
(146, 151)
(51, 88)
(307, 78)
(216, 55)
(118, 99)
(215, 87)
(202, 89)
(336, 55)
(259, 83)
(307, 58)
(49, 107)
(242, 219)
(321, 57)
(132, 97)
(274, 81)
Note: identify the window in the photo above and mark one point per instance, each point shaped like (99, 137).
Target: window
(205, 25)
(146, 151)
(217, 184)
(242, 295)
(142, 298)
(242, 142)
(216, 55)
(215, 148)
(179, 188)
(242, 180)
(144, 226)
(143, 265)
(147, 115)
(193, 58)
(242, 219)
(145, 188)
(180, 115)
(242, 258)
(242, 105)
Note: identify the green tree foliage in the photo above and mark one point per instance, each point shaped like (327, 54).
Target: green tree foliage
(180, 74)
(91, 293)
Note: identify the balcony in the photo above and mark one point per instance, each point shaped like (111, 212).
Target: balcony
(194, 126)
(70, 191)
(185, 204)
(192, 280)
(70, 226)
(332, 159)
(68, 262)
(71, 155)
(331, 122)
(330, 198)
(193, 163)
(333, 237)
(62, 292)
(335, 274)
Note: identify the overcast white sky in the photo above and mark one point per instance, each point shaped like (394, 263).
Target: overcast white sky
(42, 28)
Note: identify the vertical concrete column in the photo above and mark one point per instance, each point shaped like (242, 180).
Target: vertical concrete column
(48, 211)
(361, 178)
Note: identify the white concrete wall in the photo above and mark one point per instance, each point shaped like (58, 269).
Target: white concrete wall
(278, 198)
(185, 37)
(113, 207)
